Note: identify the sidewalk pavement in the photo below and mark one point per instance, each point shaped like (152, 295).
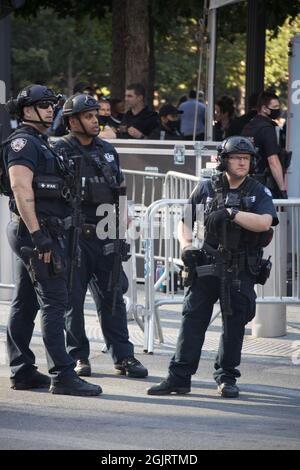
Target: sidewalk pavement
(266, 416)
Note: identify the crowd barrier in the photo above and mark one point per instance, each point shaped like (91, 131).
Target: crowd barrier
(285, 261)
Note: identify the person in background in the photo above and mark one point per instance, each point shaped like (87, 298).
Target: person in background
(106, 132)
(187, 119)
(224, 114)
(168, 128)
(117, 112)
(262, 129)
(239, 123)
(139, 121)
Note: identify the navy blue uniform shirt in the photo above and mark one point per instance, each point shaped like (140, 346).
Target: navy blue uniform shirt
(29, 148)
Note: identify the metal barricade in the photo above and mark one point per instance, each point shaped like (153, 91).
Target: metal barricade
(275, 291)
(179, 185)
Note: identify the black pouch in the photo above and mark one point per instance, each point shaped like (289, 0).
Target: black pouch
(264, 271)
(99, 193)
(48, 186)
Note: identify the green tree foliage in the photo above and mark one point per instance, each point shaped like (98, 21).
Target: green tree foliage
(61, 51)
(177, 60)
(276, 70)
(76, 9)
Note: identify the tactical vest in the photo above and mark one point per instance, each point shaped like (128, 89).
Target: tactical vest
(238, 237)
(54, 181)
(99, 183)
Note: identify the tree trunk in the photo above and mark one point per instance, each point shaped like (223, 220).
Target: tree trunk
(137, 42)
(256, 47)
(70, 78)
(118, 49)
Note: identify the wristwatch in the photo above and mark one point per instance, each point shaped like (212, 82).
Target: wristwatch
(233, 212)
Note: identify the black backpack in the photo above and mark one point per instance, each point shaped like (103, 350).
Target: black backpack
(5, 188)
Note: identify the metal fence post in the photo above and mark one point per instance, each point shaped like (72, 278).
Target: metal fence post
(270, 319)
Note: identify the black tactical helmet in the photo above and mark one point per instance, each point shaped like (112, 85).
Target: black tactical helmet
(236, 144)
(29, 96)
(79, 104)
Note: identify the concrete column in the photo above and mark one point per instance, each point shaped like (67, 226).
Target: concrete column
(270, 319)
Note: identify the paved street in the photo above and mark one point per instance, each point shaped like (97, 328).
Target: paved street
(266, 416)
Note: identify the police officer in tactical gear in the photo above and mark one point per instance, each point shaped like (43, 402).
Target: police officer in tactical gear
(39, 184)
(101, 179)
(238, 215)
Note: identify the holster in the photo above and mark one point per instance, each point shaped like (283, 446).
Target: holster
(41, 271)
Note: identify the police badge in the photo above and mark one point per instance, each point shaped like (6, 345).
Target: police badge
(18, 144)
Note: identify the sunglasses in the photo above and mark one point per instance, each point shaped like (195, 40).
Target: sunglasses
(45, 104)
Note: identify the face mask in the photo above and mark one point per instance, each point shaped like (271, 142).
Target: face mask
(103, 120)
(274, 113)
(173, 125)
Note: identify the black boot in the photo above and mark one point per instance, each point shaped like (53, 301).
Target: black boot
(166, 388)
(75, 386)
(132, 367)
(228, 390)
(34, 380)
(83, 368)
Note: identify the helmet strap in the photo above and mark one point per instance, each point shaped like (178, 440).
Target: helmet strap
(40, 122)
(84, 131)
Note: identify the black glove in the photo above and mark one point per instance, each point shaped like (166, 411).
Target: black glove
(284, 195)
(41, 241)
(189, 255)
(216, 219)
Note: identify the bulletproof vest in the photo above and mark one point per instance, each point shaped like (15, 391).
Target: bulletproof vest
(51, 182)
(238, 238)
(98, 181)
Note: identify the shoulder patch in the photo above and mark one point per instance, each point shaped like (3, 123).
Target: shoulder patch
(267, 191)
(109, 157)
(18, 144)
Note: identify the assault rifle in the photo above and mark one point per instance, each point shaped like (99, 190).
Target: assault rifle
(77, 220)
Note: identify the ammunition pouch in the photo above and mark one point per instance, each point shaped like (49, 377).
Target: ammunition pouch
(50, 187)
(117, 246)
(97, 191)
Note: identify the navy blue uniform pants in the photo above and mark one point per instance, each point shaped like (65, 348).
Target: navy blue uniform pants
(96, 268)
(51, 297)
(197, 311)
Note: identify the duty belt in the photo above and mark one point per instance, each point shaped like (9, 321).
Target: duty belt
(238, 261)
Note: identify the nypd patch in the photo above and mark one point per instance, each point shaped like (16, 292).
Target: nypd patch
(268, 192)
(18, 144)
(109, 157)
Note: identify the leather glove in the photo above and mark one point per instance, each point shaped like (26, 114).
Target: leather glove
(284, 195)
(216, 219)
(189, 255)
(41, 241)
